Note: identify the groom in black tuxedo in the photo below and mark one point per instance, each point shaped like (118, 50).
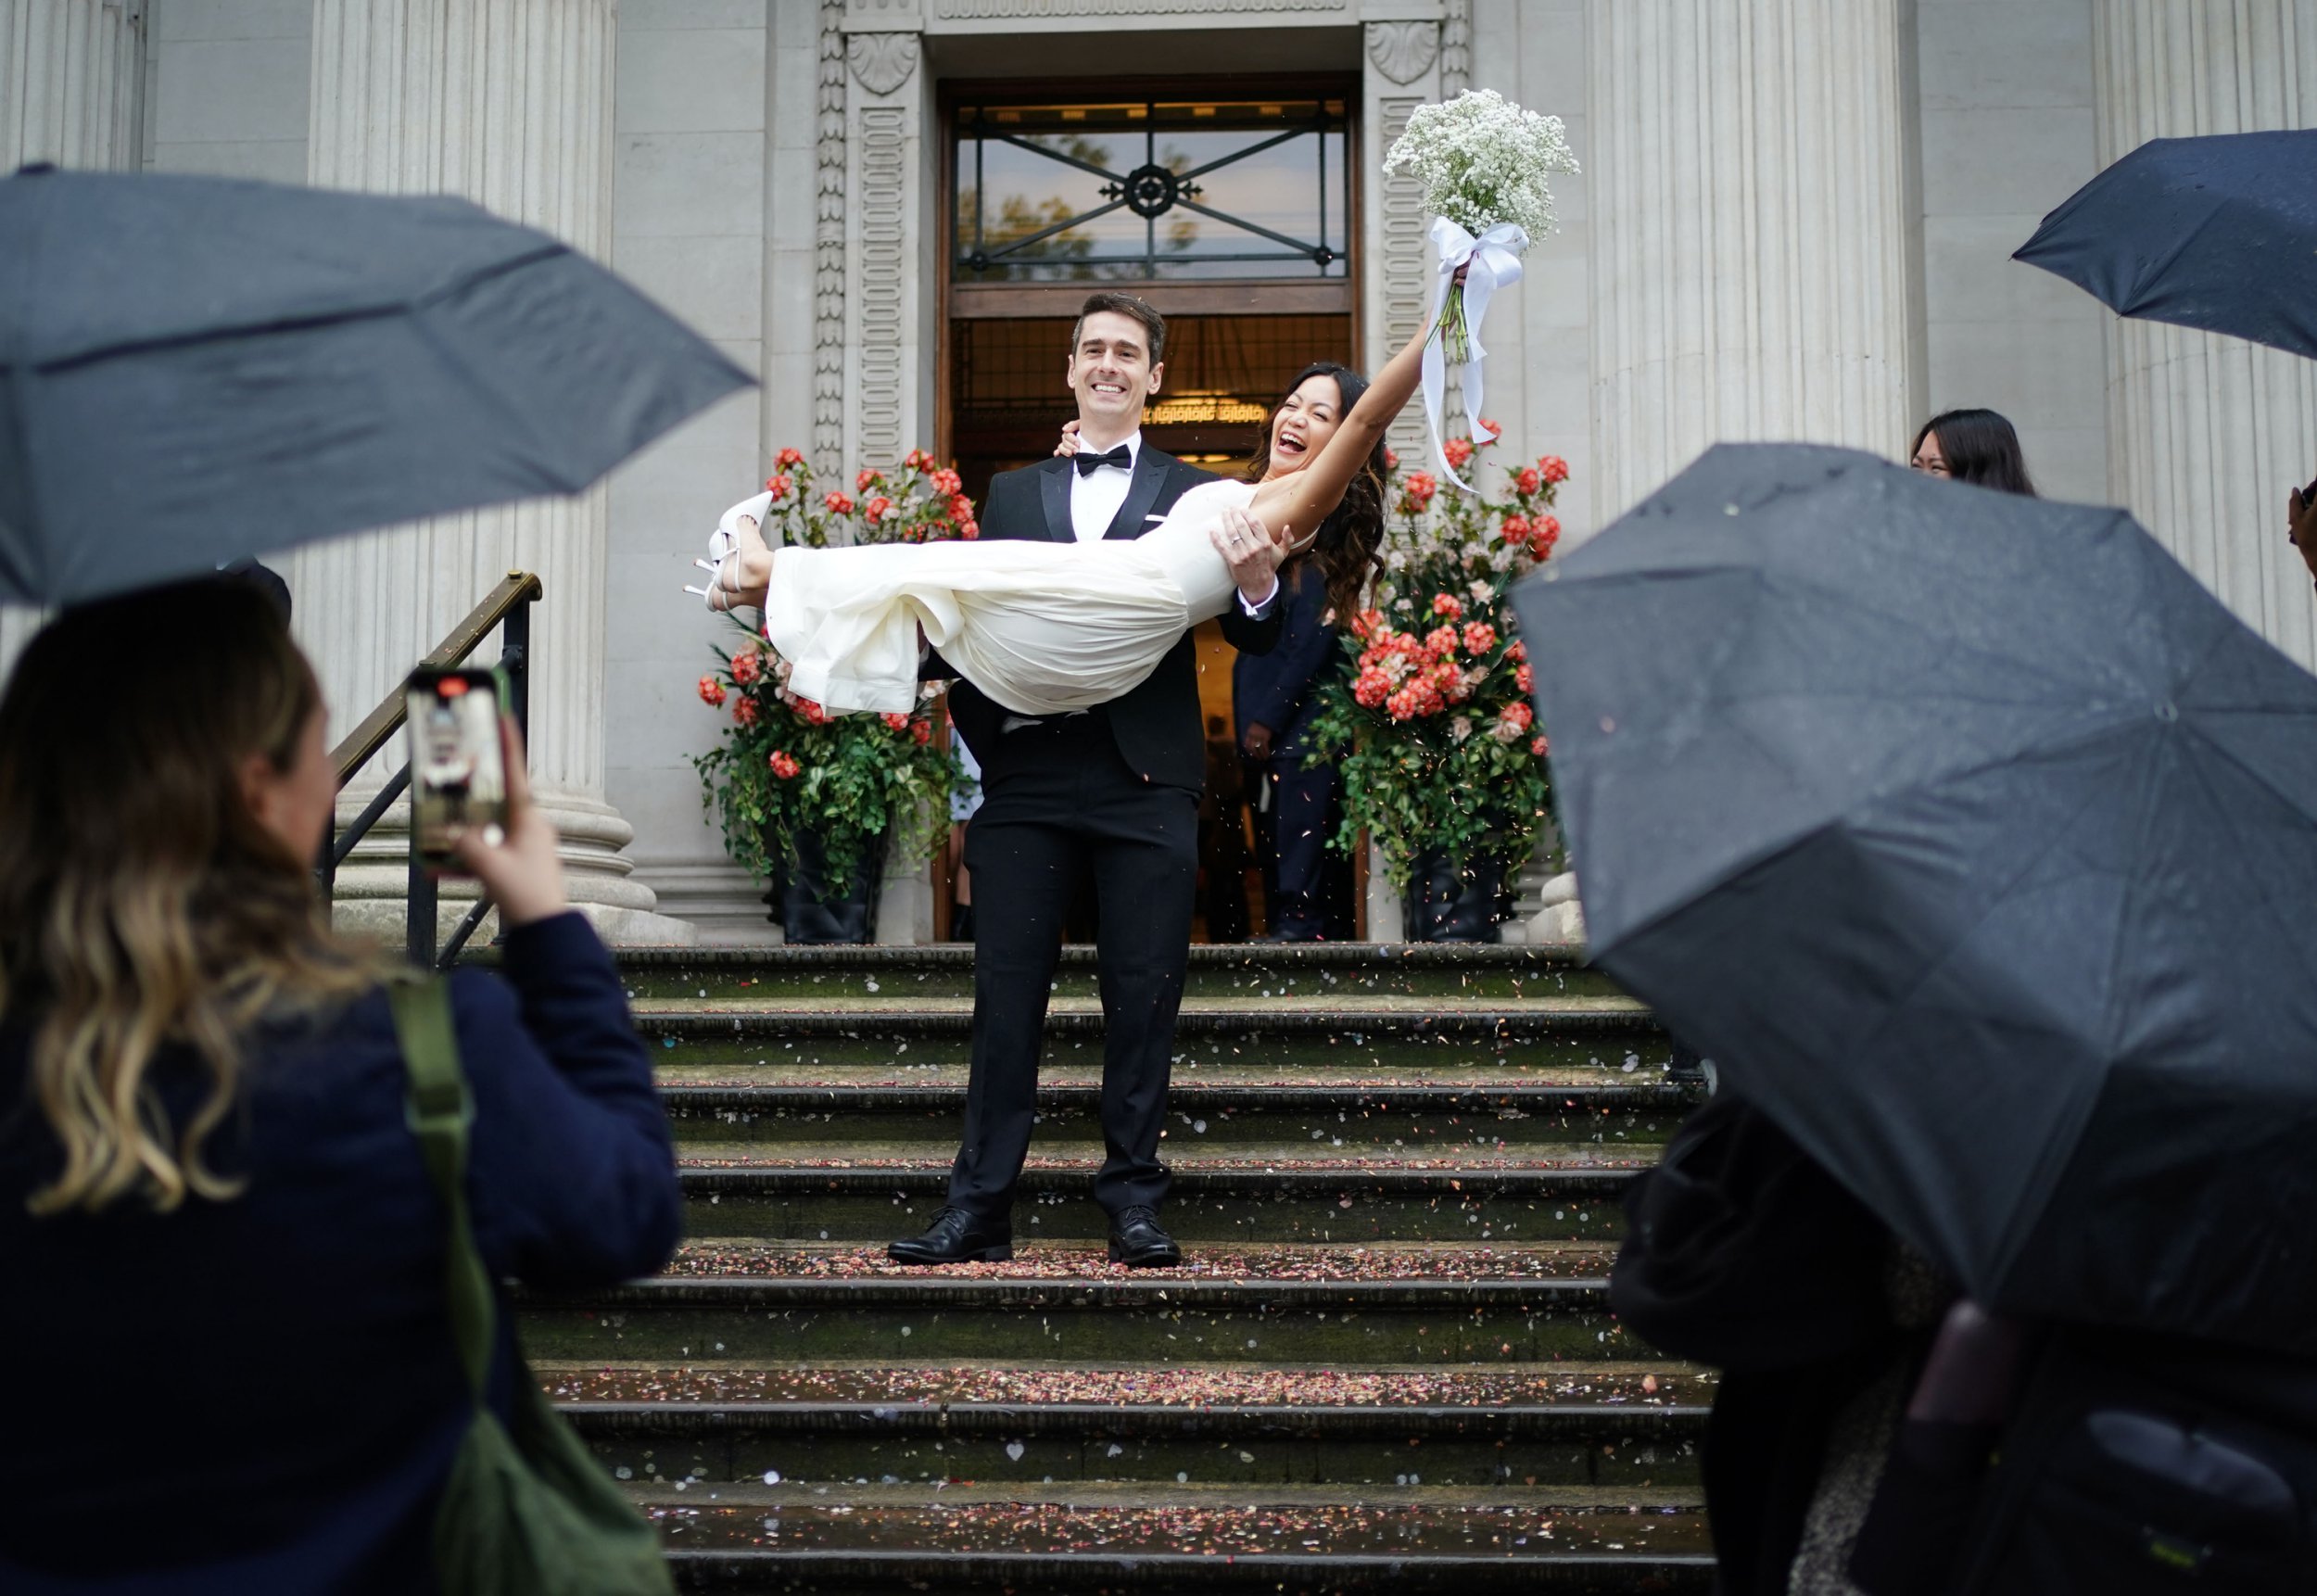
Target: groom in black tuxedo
(1110, 795)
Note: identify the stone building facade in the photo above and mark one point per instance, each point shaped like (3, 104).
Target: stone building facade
(1794, 220)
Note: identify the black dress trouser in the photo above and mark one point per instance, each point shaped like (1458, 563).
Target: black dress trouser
(1294, 836)
(1065, 805)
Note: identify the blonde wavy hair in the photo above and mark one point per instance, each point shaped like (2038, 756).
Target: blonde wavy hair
(142, 909)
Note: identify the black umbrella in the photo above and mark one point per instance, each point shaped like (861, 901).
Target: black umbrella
(2216, 232)
(193, 370)
(1977, 844)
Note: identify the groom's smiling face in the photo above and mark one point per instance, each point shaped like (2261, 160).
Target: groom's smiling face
(1110, 371)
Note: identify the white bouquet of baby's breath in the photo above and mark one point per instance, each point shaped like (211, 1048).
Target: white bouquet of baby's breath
(1483, 160)
(1486, 165)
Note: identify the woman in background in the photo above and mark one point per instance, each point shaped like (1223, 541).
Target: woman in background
(1974, 446)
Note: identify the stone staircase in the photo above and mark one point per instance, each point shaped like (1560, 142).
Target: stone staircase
(1386, 1364)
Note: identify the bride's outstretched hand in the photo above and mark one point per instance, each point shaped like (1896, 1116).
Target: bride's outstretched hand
(1069, 446)
(1253, 551)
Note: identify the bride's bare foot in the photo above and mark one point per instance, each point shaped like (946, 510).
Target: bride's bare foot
(746, 536)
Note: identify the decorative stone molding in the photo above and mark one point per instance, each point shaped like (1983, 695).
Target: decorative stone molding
(882, 62)
(882, 262)
(1403, 51)
(1456, 48)
(1404, 265)
(1030, 10)
(878, 16)
(829, 158)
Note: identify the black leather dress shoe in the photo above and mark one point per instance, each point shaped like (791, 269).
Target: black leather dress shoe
(1137, 1240)
(956, 1236)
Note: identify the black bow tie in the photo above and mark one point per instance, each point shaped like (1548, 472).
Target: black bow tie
(1121, 457)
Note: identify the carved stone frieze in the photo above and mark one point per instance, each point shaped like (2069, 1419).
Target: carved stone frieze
(1403, 51)
(1406, 300)
(882, 61)
(880, 265)
(1456, 48)
(829, 264)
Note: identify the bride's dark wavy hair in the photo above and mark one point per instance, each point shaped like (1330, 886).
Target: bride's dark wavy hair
(1348, 550)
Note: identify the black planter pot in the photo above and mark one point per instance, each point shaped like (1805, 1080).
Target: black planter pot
(1455, 901)
(809, 908)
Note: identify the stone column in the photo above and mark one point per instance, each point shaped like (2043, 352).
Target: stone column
(70, 73)
(68, 81)
(509, 103)
(1750, 230)
(2208, 435)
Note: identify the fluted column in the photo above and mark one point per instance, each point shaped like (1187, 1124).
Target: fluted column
(2207, 434)
(68, 81)
(508, 103)
(69, 94)
(1750, 230)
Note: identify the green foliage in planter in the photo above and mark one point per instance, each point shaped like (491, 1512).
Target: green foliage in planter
(787, 766)
(1432, 731)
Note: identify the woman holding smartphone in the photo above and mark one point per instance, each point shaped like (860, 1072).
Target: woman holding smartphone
(227, 1262)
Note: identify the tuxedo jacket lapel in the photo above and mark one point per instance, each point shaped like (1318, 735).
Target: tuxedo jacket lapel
(1150, 475)
(1054, 489)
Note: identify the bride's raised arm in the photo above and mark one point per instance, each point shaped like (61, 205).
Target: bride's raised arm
(1299, 502)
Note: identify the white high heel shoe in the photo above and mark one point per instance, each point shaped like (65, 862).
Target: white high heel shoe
(716, 595)
(721, 542)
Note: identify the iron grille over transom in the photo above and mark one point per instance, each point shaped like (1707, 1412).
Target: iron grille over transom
(1145, 189)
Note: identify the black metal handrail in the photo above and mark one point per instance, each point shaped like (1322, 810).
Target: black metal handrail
(506, 609)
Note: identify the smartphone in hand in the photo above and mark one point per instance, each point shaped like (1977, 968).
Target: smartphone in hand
(457, 770)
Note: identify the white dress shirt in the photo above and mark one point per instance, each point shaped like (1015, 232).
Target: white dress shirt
(1097, 496)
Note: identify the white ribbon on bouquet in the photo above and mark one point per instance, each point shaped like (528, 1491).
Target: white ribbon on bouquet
(1493, 261)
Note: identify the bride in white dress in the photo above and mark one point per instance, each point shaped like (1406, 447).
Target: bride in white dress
(1044, 629)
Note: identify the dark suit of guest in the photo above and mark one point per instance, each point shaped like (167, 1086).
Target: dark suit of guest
(1110, 795)
(1293, 805)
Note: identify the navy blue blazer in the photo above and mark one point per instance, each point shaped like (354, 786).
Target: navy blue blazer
(1277, 689)
(261, 1394)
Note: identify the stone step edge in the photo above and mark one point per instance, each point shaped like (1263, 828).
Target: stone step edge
(1330, 956)
(1312, 1421)
(954, 1018)
(932, 1179)
(706, 1568)
(1448, 1247)
(1654, 1092)
(1099, 1496)
(1158, 1289)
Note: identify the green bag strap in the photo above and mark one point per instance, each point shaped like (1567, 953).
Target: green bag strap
(440, 1112)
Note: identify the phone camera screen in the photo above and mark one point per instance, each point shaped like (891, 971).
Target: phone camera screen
(457, 777)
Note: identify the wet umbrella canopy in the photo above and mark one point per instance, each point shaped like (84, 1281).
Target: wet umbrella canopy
(193, 370)
(2216, 232)
(1978, 845)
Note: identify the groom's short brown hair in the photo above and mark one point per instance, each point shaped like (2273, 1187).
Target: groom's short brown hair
(1125, 305)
